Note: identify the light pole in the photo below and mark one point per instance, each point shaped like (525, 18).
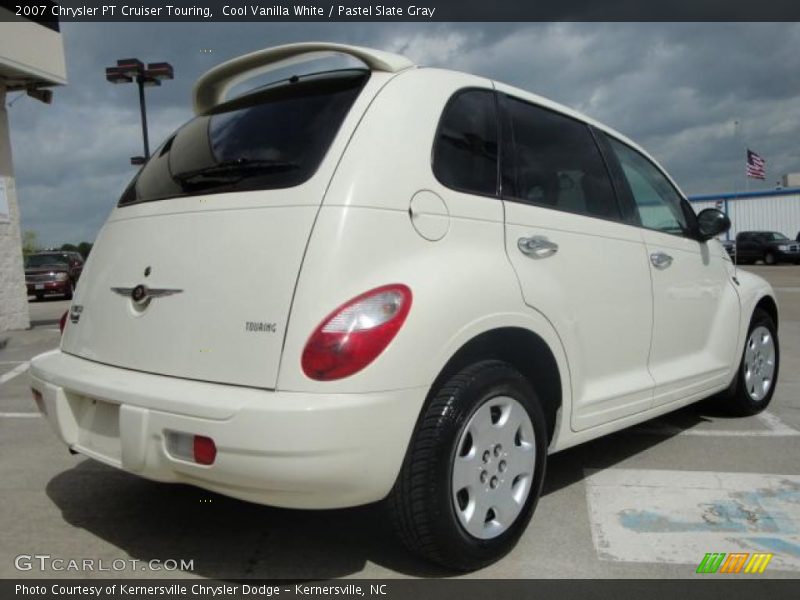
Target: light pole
(132, 69)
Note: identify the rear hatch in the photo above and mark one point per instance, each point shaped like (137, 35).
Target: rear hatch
(193, 275)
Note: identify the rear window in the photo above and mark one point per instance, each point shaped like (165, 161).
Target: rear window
(275, 137)
(41, 260)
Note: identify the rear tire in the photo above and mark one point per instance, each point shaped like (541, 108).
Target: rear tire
(463, 500)
(39, 297)
(752, 389)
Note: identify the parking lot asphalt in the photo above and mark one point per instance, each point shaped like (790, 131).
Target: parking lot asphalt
(645, 502)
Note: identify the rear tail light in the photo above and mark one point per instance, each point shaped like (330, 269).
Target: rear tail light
(62, 322)
(353, 335)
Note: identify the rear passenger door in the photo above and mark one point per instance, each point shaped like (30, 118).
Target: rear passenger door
(696, 309)
(578, 262)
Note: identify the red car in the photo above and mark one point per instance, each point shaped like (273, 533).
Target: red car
(55, 272)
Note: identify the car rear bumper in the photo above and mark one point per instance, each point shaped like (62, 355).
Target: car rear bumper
(47, 287)
(285, 449)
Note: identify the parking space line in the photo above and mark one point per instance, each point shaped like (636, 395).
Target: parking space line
(18, 370)
(666, 516)
(774, 427)
(20, 415)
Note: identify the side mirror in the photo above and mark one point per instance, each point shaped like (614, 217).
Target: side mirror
(711, 223)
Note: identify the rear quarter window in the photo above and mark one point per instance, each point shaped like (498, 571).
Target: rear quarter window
(465, 152)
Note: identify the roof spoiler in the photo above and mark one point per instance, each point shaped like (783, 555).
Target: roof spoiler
(211, 88)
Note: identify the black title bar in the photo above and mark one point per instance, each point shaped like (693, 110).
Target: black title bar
(699, 588)
(45, 11)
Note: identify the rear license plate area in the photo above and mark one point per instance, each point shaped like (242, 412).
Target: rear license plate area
(98, 428)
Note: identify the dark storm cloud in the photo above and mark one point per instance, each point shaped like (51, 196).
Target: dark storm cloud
(674, 88)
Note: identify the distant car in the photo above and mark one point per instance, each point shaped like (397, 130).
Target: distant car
(730, 247)
(48, 273)
(770, 246)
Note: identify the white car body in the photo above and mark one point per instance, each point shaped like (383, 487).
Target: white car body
(624, 341)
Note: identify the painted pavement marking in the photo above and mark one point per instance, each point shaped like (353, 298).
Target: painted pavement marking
(773, 427)
(663, 516)
(18, 370)
(20, 415)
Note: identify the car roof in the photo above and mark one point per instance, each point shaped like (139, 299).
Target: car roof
(211, 88)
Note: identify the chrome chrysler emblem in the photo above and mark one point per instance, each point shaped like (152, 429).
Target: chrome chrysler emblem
(141, 294)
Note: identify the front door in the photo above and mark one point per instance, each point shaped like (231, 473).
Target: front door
(695, 304)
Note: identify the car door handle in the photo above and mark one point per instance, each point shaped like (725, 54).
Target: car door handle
(537, 246)
(660, 260)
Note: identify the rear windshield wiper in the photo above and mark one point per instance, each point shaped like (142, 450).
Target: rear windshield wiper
(234, 170)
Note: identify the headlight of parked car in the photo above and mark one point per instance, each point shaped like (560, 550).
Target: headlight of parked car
(783, 248)
(61, 276)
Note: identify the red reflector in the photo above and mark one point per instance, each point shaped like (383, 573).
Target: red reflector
(62, 322)
(37, 397)
(204, 449)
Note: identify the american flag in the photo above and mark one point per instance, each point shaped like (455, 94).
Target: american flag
(756, 166)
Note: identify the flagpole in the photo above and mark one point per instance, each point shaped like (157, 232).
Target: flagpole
(736, 144)
(744, 147)
(735, 193)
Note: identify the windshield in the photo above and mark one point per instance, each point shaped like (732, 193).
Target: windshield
(774, 236)
(41, 260)
(275, 137)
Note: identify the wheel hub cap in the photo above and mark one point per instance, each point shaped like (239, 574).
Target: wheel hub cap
(759, 363)
(493, 467)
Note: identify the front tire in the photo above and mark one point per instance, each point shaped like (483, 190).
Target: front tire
(752, 389)
(474, 469)
(769, 258)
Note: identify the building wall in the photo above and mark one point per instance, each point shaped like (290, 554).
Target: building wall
(770, 213)
(13, 294)
(30, 50)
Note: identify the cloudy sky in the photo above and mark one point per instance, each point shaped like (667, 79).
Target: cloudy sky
(674, 88)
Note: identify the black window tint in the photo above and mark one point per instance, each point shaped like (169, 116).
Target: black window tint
(659, 204)
(554, 161)
(272, 138)
(465, 153)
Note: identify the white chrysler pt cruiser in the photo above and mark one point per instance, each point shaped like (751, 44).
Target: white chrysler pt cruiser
(395, 283)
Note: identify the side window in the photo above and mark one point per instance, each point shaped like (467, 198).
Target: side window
(658, 202)
(553, 161)
(465, 151)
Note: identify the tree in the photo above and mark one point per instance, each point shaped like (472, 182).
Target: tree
(84, 248)
(30, 242)
(69, 248)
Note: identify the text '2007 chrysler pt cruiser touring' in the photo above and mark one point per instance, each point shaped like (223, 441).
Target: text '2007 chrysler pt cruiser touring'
(401, 284)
